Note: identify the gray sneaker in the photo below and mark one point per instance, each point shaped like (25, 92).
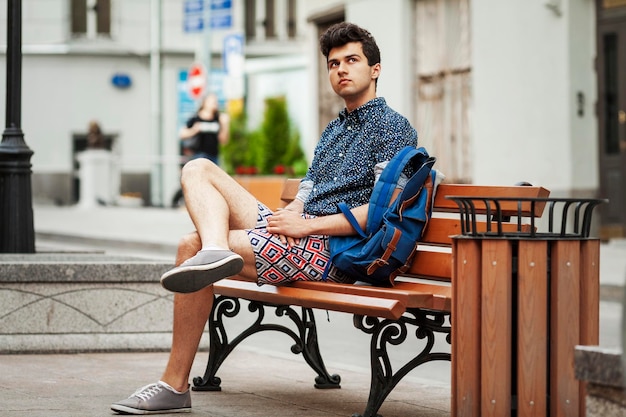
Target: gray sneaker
(154, 399)
(201, 270)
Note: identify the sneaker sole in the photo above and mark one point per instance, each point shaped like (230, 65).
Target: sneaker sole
(194, 278)
(135, 411)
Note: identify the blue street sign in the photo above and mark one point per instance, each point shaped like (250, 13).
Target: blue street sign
(194, 6)
(221, 21)
(221, 4)
(233, 56)
(221, 16)
(193, 24)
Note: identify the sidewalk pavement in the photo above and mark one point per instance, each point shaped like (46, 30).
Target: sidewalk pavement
(255, 382)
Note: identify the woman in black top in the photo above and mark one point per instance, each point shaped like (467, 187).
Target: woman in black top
(201, 137)
(205, 131)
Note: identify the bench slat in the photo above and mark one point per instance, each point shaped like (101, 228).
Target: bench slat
(441, 294)
(411, 295)
(434, 265)
(288, 295)
(440, 230)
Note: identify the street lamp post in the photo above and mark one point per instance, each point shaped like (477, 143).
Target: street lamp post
(17, 233)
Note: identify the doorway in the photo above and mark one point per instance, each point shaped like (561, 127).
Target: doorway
(612, 115)
(443, 79)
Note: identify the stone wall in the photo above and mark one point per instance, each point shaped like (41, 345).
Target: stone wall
(77, 302)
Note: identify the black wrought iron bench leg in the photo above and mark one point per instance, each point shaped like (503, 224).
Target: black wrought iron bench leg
(220, 346)
(394, 332)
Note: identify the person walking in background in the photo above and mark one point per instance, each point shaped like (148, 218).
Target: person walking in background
(205, 131)
(202, 136)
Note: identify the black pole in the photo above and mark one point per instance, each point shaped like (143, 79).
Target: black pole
(17, 233)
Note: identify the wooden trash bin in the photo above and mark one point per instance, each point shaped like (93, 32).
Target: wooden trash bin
(521, 302)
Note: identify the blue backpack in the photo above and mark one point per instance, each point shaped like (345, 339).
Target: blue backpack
(387, 246)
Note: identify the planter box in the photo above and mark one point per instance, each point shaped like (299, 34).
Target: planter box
(266, 188)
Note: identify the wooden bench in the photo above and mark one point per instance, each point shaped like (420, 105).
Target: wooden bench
(421, 299)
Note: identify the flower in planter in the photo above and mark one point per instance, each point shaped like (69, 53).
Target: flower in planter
(279, 169)
(246, 170)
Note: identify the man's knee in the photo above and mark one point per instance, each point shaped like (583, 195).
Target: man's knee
(197, 166)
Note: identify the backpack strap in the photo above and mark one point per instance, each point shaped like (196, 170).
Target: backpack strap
(386, 185)
(346, 212)
(417, 181)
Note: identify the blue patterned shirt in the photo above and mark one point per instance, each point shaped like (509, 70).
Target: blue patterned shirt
(349, 149)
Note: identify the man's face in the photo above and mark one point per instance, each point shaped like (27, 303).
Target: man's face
(350, 75)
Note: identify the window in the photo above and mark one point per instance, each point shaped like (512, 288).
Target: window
(91, 17)
(291, 19)
(610, 96)
(102, 9)
(250, 19)
(270, 21)
(79, 16)
(277, 20)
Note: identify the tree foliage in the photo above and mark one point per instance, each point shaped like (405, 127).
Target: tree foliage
(273, 148)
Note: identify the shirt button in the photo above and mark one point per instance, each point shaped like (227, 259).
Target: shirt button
(335, 179)
(341, 154)
(349, 127)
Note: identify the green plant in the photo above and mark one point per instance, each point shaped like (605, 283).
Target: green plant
(235, 152)
(273, 148)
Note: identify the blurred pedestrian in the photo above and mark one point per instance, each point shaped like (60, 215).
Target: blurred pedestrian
(202, 136)
(205, 131)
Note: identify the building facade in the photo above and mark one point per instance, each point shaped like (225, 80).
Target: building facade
(500, 92)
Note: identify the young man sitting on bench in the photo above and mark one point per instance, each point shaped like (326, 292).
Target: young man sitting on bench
(237, 235)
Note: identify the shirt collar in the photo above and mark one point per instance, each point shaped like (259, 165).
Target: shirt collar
(362, 111)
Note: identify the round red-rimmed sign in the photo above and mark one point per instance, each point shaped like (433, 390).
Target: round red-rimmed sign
(196, 80)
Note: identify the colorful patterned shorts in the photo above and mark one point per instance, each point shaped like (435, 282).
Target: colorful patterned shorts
(278, 264)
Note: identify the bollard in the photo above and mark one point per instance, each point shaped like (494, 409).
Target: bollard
(97, 186)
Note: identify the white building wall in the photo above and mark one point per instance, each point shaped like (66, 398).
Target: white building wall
(524, 78)
(43, 17)
(66, 82)
(528, 65)
(391, 27)
(584, 151)
(61, 96)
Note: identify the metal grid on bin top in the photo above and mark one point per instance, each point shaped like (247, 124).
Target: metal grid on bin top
(575, 213)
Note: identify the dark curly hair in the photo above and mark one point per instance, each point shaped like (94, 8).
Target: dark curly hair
(343, 33)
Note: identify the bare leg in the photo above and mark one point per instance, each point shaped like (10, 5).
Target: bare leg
(216, 202)
(219, 208)
(191, 311)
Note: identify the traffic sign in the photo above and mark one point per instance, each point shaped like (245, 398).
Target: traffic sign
(196, 81)
(200, 15)
(233, 56)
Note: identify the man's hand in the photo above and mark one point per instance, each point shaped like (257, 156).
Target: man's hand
(288, 225)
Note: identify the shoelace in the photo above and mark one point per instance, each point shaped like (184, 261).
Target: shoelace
(148, 391)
